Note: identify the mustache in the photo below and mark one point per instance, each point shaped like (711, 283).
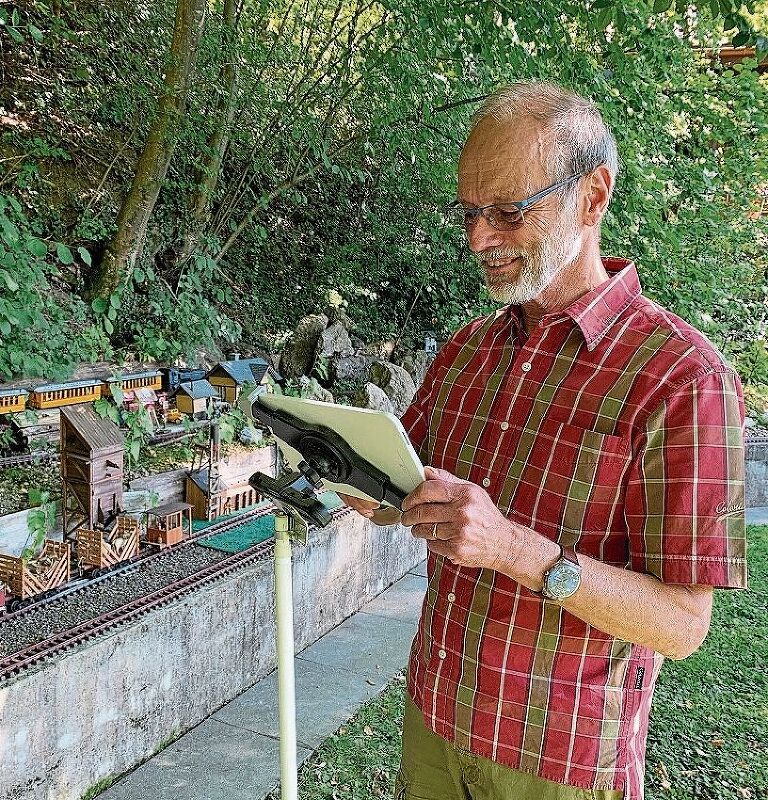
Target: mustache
(499, 254)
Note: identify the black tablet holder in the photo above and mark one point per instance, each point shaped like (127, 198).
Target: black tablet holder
(327, 455)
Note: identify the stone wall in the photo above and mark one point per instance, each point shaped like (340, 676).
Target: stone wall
(106, 707)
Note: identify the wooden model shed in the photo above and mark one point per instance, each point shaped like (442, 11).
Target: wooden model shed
(228, 377)
(231, 497)
(194, 398)
(91, 469)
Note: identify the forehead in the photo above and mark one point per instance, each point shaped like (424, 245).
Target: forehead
(503, 158)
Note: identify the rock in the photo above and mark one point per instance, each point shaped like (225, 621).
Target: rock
(373, 397)
(406, 362)
(351, 368)
(250, 435)
(311, 390)
(334, 341)
(421, 363)
(397, 384)
(336, 314)
(382, 350)
(299, 354)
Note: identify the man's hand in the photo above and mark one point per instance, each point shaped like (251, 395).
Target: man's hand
(363, 507)
(371, 510)
(461, 522)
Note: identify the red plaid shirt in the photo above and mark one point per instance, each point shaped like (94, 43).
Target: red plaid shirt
(616, 428)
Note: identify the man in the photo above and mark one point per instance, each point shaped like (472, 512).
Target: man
(585, 492)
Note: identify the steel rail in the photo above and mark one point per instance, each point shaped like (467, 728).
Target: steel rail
(65, 640)
(132, 565)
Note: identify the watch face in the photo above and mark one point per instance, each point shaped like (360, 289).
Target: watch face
(563, 580)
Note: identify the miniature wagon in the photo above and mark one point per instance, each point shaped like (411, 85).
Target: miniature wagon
(102, 550)
(30, 578)
(169, 524)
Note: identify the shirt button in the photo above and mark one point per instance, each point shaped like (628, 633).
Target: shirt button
(504, 425)
(486, 482)
(441, 654)
(526, 366)
(451, 597)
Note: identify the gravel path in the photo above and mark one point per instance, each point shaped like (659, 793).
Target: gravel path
(111, 593)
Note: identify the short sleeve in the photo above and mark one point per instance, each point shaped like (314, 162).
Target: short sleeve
(685, 494)
(415, 420)
(417, 416)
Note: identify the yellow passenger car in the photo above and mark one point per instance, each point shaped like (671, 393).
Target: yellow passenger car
(54, 395)
(13, 401)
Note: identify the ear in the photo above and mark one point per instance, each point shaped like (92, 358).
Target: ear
(597, 196)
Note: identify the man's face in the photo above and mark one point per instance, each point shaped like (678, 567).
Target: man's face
(502, 162)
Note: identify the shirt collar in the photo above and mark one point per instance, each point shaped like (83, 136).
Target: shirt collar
(595, 311)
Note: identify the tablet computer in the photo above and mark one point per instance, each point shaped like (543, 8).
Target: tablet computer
(376, 436)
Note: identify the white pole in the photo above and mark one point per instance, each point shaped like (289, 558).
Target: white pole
(286, 685)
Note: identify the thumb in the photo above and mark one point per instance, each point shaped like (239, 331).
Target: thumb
(435, 474)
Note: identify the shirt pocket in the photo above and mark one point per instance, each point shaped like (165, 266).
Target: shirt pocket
(568, 482)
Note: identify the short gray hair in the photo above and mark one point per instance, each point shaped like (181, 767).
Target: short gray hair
(582, 141)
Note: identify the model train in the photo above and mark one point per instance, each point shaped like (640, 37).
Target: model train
(14, 400)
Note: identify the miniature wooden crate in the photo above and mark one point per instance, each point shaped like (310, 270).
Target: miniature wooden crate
(19, 576)
(94, 548)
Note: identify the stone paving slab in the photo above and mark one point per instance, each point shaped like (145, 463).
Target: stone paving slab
(214, 761)
(420, 569)
(373, 646)
(323, 703)
(401, 601)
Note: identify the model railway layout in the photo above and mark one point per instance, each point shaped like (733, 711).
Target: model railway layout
(98, 533)
(14, 663)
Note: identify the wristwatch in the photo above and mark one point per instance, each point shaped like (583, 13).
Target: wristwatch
(563, 578)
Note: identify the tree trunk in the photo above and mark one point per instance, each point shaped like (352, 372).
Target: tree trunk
(210, 164)
(127, 243)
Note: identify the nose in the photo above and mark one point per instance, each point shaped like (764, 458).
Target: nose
(483, 236)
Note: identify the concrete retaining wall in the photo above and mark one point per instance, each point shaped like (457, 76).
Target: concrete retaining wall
(104, 708)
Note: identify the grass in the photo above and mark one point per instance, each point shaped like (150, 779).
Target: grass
(709, 724)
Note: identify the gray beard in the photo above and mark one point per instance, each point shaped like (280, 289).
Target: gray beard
(556, 251)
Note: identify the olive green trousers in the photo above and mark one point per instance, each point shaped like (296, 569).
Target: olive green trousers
(434, 769)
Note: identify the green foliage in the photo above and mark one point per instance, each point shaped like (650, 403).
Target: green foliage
(45, 330)
(230, 424)
(339, 164)
(40, 521)
(163, 324)
(136, 424)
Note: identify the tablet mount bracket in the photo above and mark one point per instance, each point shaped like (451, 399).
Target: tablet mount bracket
(327, 455)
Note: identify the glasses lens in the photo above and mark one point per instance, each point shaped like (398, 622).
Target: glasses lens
(504, 218)
(458, 215)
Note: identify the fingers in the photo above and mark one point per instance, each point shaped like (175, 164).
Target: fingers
(364, 507)
(433, 473)
(433, 531)
(431, 491)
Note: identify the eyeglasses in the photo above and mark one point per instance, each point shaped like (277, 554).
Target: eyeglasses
(504, 216)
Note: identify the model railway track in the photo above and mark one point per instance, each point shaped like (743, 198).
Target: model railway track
(20, 459)
(27, 458)
(65, 640)
(135, 563)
